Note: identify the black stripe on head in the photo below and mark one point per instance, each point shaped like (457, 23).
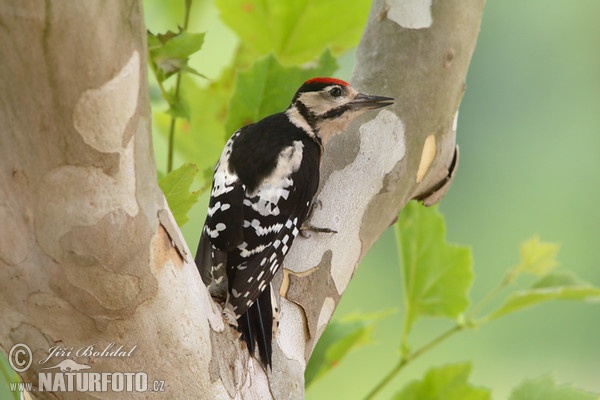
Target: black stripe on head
(305, 112)
(308, 116)
(334, 112)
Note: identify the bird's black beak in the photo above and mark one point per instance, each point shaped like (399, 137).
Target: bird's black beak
(367, 102)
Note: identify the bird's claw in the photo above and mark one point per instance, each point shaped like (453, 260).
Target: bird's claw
(307, 226)
(304, 230)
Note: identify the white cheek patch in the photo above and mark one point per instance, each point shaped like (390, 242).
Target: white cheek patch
(315, 102)
(345, 197)
(319, 104)
(410, 14)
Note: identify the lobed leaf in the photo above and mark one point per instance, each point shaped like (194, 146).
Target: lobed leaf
(7, 376)
(296, 31)
(449, 382)
(555, 286)
(338, 340)
(179, 108)
(545, 388)
(202, 138)
(536, 258)
(437, 275)
(268, 87)
(168, 53)
(176, 188)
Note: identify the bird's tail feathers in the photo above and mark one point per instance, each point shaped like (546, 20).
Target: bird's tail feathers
(256, 325)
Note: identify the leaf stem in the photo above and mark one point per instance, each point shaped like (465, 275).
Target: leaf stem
(489, 297)
(405, 349)
(170, 150)
(405, 360)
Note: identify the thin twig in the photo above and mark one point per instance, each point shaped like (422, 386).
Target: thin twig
(411, 357)
(186, 19)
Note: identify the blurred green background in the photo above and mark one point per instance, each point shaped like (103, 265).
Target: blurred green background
(529, 133)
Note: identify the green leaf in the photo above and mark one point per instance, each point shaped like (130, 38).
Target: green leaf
(202, 138)
(190, 70)
(7, 376)
(179, 108)
(296, 31)
(437, 275)
(555, 286)
(338, 340)
(176, 188)
(545, 388)
(449, 382)
(169, 52)
(536, 258)
(268, 87)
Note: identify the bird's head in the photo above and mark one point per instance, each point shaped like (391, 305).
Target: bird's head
(325, 106)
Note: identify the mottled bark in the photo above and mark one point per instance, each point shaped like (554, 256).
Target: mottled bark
(89, 254)
(417, 52)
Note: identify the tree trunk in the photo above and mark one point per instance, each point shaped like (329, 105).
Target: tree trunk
(89, 253)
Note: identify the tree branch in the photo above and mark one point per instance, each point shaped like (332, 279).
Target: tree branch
(89, 253)
(419, 54)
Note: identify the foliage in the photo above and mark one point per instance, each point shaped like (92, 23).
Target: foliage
(169, 53)
(444, 383)
(338, 340)
(7, 376)
(176, 188)
(272, 58)
(545, 388)
(437, 277)
(256, 84)
(282, 27)
(266, 88)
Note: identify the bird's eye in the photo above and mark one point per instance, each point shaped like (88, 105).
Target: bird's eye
(335, 92)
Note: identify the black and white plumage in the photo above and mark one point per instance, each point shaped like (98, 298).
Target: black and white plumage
(262, 192)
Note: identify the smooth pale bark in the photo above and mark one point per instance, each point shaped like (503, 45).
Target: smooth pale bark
(89, 253)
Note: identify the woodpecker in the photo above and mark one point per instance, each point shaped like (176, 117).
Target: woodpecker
(262, 193)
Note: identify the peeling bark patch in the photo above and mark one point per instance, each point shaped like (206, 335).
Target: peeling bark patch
(174, 234)
(455, 122)
(256, 382)
(410, 14)
(106, 265)
(14, 243)
(285, 284)
(346, 196)
(114, 291)
(309, 289)
(164, 251)
(225, 368)
(427, 156)
(58, 316)
(435, 194)
(293, 341)
(101, 114)
(71, 196)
